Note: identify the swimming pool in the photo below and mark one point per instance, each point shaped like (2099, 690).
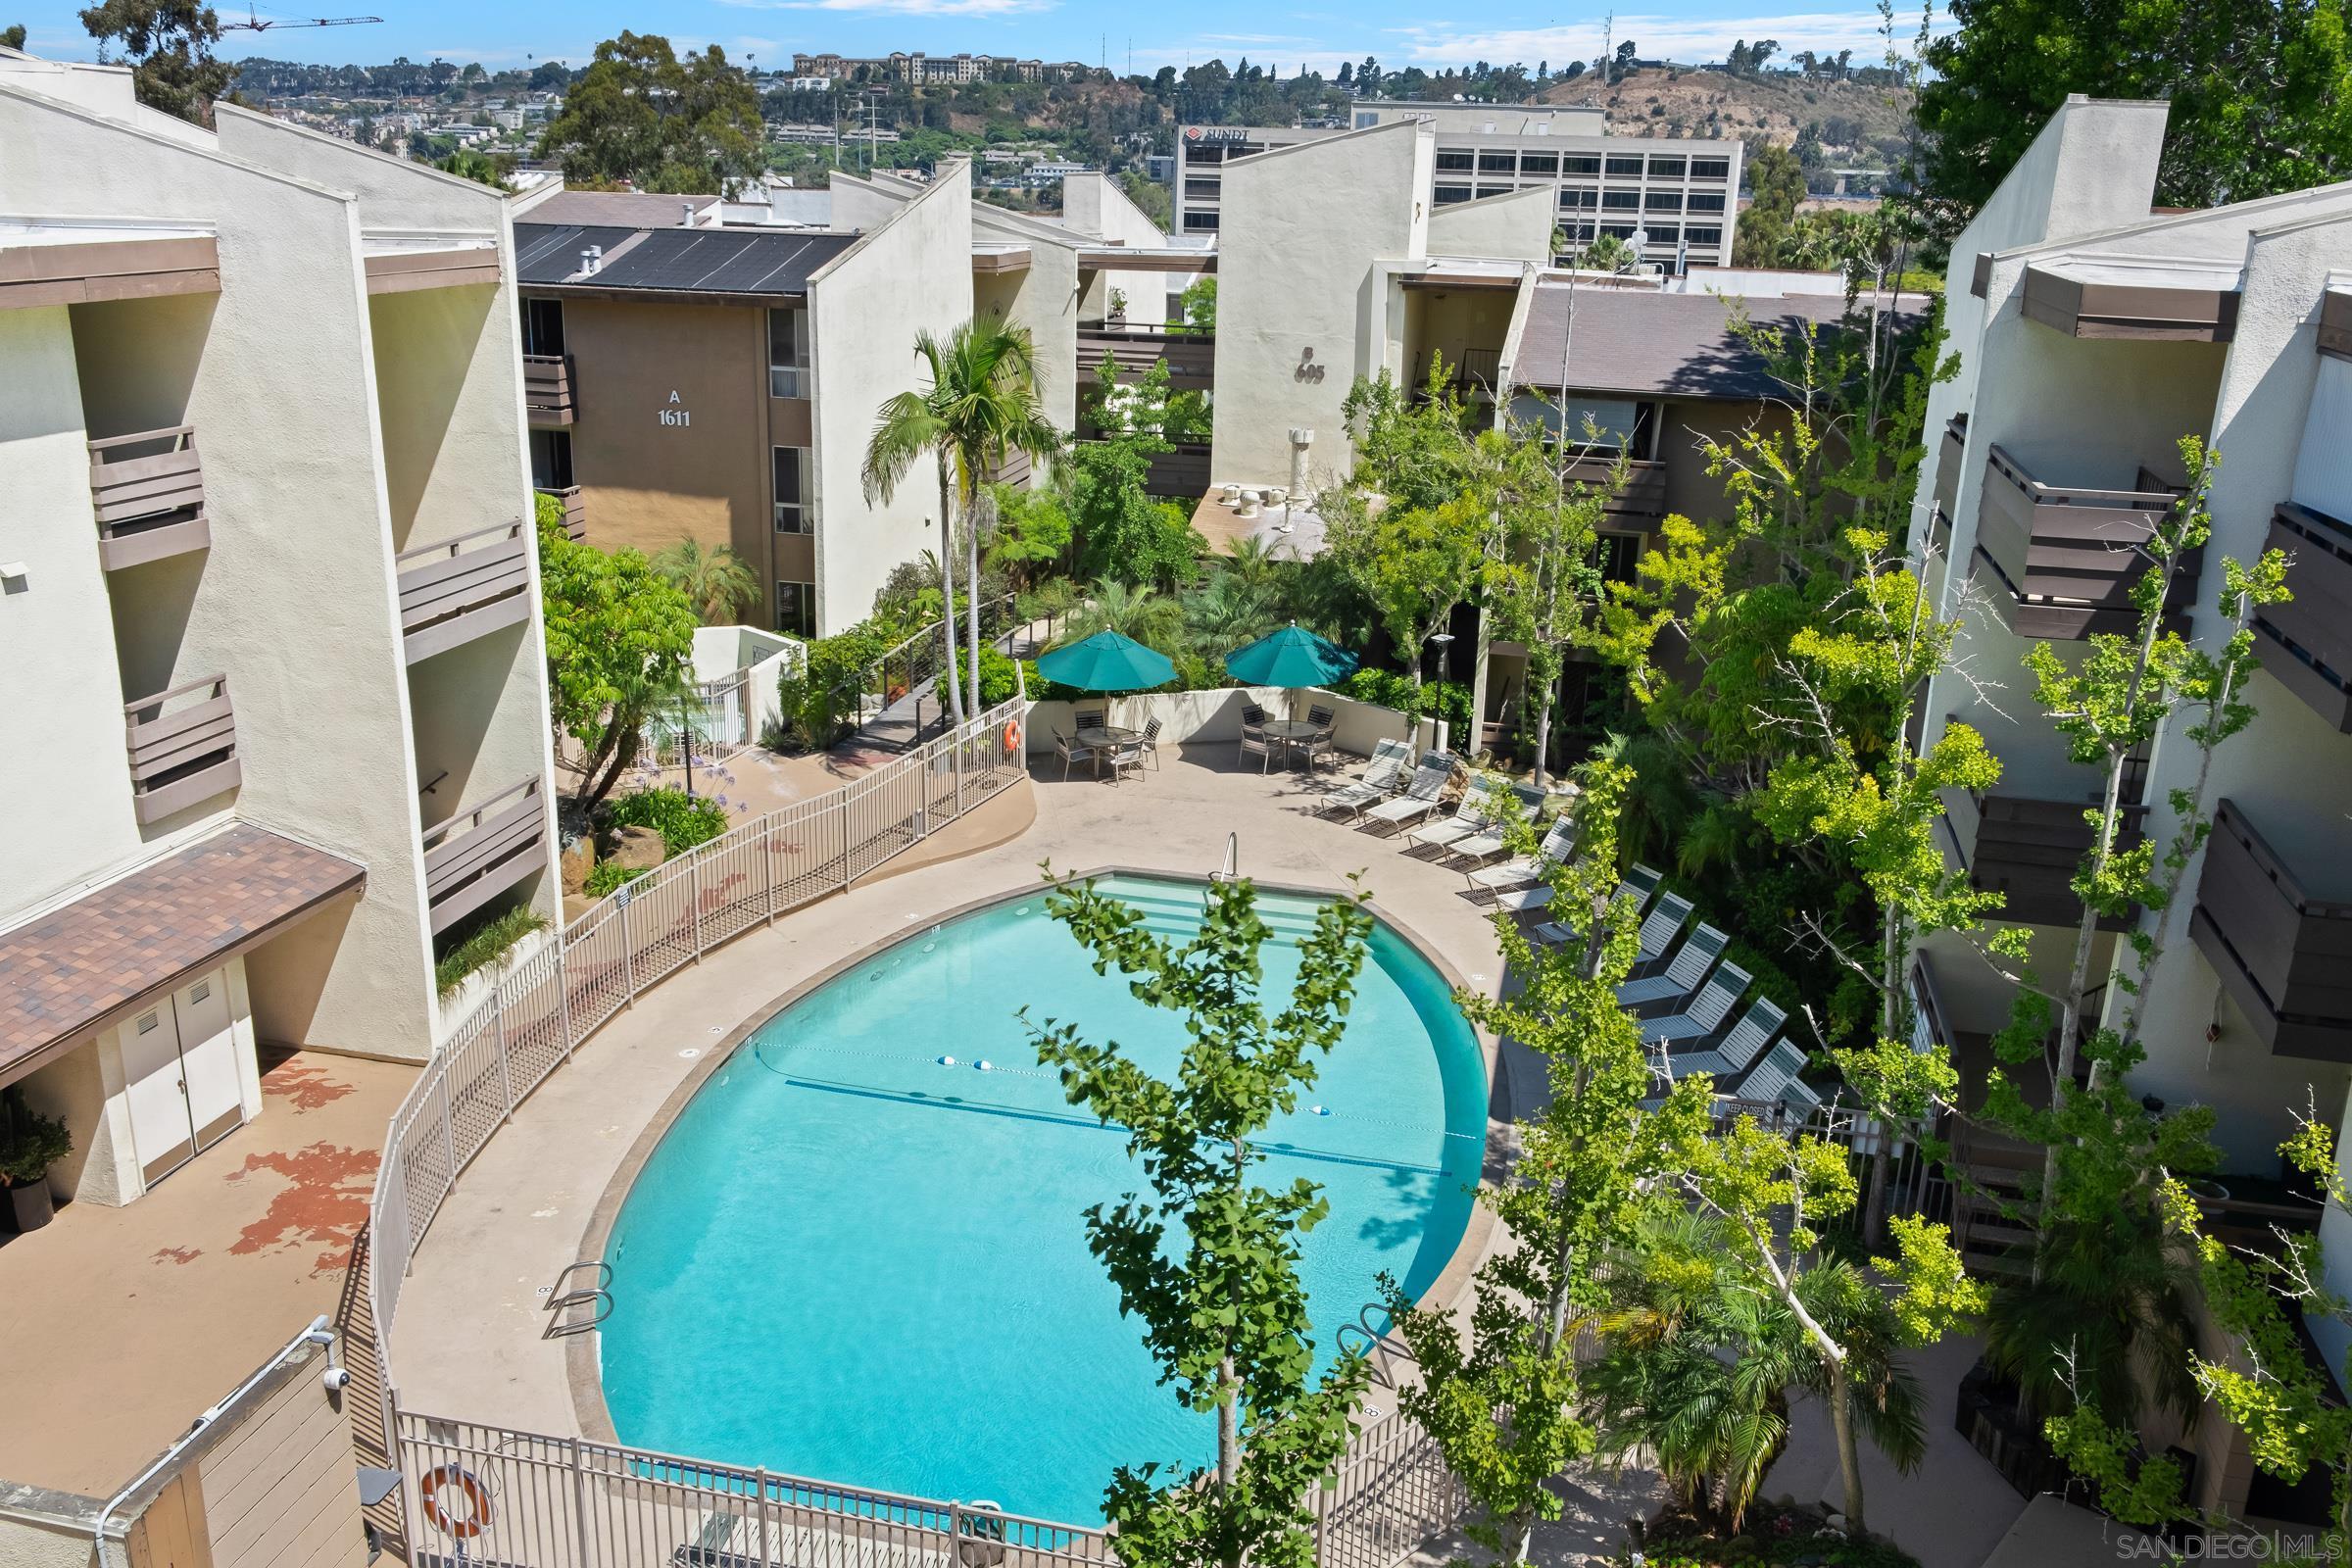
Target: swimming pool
(849, 1261)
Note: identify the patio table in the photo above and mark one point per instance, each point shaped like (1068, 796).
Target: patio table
(1291, 731)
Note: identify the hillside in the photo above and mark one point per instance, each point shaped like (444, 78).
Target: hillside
(1859, 126)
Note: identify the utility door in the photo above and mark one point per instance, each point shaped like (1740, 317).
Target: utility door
(208, 1058)
(161, 1132)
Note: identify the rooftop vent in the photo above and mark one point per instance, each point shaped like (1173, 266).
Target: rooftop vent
(592, 261)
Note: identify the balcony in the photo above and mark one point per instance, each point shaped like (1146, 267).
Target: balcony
(575, 512)
(452, 593)
(2027, 849)
(2311, 634)
(1192, 356)
(183, 748)
(2067, 558)
(478, 855)
(2335, 324)
(547, 388)
(1478, 371)
(148, 491)
(1947, 478)
(1642, 502)
(2283, 956)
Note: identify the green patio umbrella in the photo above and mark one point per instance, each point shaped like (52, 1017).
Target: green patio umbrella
(1291, 657)
(1107, 662)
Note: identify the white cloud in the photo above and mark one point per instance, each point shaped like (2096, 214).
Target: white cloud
(902, 8)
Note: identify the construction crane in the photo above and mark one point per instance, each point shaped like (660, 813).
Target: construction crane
(254, 22)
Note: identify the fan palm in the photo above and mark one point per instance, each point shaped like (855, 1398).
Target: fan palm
(980, 408)
(714, 581)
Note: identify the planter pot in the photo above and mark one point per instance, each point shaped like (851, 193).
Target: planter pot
(32, 1205)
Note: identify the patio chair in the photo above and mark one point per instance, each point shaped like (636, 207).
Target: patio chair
(1689, 966)
(1734, 1052)
(1519, 900)
(1092, 718)
(1253, 741)
(1071, 751)
(1704, 1013)
(1639, 885)
(1468, 816)
(1149, 744)
(1127, 757)
(1486, 846)
(1378, 780)
(1420, 797)
(1558, 845)
(1776, 1080)
(1254, 718)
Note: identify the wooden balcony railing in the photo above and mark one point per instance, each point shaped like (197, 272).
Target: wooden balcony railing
(148, 491)
(2283, 954)
(2335, 324)
(1642, 498)
(2027, 849)
(575, 512)
(452, 593)
(480, 853)
(2311, 634)
(1181, 471)
(547, 388)
(183, 747)
(1016, 469)
(1948, 463)
(2069, 558)
(1192, 356)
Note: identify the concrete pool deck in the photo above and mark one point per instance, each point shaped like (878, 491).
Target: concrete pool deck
(468, 1339)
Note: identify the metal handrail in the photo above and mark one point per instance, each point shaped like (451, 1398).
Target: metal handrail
(449, 549)
(474, 816)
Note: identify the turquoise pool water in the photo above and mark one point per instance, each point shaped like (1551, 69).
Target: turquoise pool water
(847, 1260)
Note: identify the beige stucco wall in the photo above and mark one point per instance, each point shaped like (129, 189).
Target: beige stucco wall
(1304, 234)
(1515, 228)
(910, 272)
(1044, 297)
(1092, 205)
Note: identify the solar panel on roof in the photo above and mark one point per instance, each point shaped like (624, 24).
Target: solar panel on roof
(679, 260)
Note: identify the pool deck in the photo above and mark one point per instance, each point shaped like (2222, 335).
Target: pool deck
(468, 1340)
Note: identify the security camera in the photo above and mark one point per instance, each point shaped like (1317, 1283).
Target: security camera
(336, 1379)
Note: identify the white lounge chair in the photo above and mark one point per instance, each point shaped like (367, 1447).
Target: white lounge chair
(1776, 1079)
(1704, 1013)
(1558, 844)
(1378, 780)
(1490, 843)
(1469, 814)
(1639, 885)
(1420, 797)
(1735, 1052)
(1689, 966)
(1519, 900)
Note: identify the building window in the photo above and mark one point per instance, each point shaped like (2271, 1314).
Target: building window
(1498, 163)
(1710, 169)
(795, 609)
(1198, 222)
(1456, 159)
(1197, 189)
(1621, 201)
(791, 489)
(787, 352)
(1618, 554)
(1365, 119)
(1705, 201)
(1577, 199)
(1666, 167)
(1484, 191)
(1195, 153)
(1620, 163)
(1663, 200)
(1580, 163)
(551, 460)
(1618, 230)
(1446, 195)
(543, 326)
(1709, 235)
(1545, 164)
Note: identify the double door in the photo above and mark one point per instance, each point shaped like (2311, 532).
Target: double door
(179, 1062)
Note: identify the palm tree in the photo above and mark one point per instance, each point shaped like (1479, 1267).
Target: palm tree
(1226, 613)
(2105, 1322)
(980, 408)
(714, 581)
(1146, 615)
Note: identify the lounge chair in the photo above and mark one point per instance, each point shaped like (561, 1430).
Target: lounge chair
(1681, 975)
(1558, 844)
(1704, 1013)
(1378, 780)
(1255, 743)
(1641, 884)
(1469, 814)
(1420, 797)
(1734, 1052)
(1776, 1080)
(1518, 901)
(1489, 844)
(1071, 751)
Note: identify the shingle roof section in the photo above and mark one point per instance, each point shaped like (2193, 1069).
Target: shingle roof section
(1651, 344)
(622, 209)
(65, 971)
(677, 261)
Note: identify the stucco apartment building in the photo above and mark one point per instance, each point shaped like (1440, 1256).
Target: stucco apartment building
(2092, 334)
(268, 581)
(720, 383)
(1682, 193)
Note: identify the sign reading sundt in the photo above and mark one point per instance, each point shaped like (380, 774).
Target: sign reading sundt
(674, 415)
(1216, 133)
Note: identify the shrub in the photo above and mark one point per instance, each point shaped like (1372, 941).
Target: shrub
(1000, 678)
(683, 820)
(29, 1142)
(488, 945)
(606, 878)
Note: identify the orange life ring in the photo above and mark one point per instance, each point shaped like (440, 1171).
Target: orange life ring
(477, 1502)
(1012, 736)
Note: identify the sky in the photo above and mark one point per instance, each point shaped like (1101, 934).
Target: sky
(502, 32)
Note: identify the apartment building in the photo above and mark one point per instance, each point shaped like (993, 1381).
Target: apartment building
(269, 579)
(721, 384)
(920, 69)
(1681, 195)
(2092, 334)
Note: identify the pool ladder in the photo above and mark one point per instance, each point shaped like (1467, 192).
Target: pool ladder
(1381, 1349)
(1233, 859)
(563, 1295)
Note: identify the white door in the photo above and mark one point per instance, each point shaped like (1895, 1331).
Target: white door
(208, 1058)
(161, 1132)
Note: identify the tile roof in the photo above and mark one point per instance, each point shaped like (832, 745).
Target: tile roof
(677, 261)
(1652, 344)
(69, 969)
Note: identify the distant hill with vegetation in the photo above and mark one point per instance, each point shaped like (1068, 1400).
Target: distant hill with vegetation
(1831, 121)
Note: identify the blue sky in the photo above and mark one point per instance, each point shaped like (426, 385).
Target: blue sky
(500, 32)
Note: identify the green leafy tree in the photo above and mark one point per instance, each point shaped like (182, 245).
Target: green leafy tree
(639, 115)
(979, 408)
(1505, 1405)
(1125, 534)
(170, 44)
(1207, 1259)
(824, 690)
(1149, 196)
(1033, 531)
(1198, 303)
(470, 163)
(715, 579)
(12, 37)
(620, 644)
(1543, 586)
(1777, 180)
(2256, 89)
